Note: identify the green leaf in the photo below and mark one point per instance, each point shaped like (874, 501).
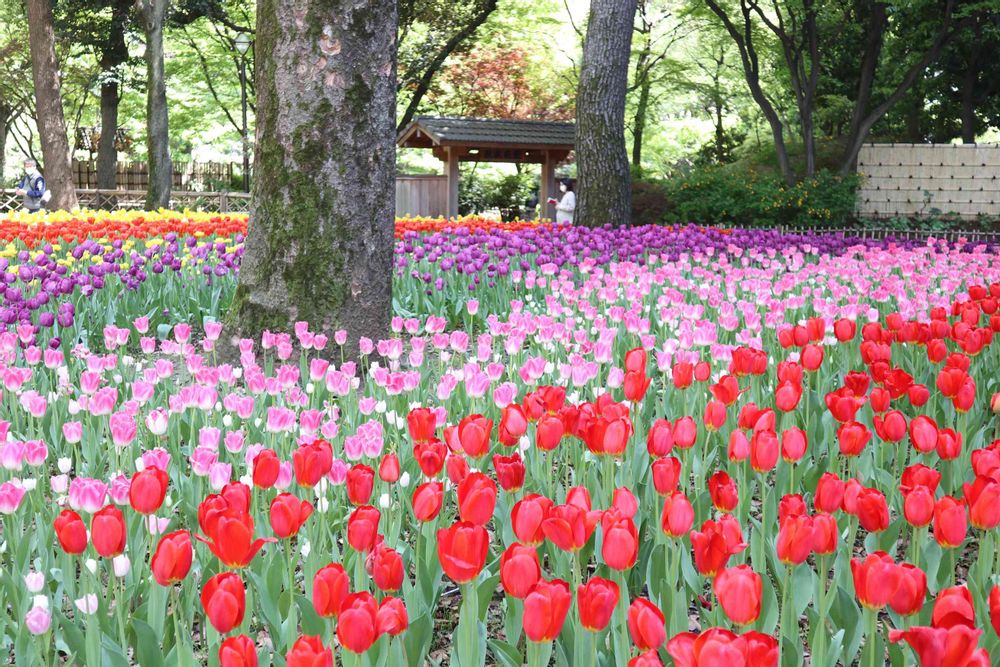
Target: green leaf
(147, 644)
(505, 654)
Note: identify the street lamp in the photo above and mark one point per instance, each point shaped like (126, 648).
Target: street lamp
(242, 45)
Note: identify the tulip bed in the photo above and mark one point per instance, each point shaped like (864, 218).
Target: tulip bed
(582, 447)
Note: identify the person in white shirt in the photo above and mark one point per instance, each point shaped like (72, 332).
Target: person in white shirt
(567, 205)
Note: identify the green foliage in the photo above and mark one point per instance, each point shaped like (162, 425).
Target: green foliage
(478, 192)
(750, 199)
(650, 204)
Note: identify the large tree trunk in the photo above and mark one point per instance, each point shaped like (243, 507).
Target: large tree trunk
(107, 154)
(320, 242)
(605, 190)
(113, 55)
(152, 13)
(48, 106)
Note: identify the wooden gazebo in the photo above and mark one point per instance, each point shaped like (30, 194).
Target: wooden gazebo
(455, 140)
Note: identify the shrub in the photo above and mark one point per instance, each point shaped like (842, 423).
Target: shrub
(650, 204)
(749, 199)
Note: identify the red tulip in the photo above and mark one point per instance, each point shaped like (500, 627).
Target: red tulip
(457, 468)
(510, 471)
(360, 482)
(876, 579)
(385, 566)
(172, 558)
(430, 456)
(388, 469)
(909, 597)
(474, 435)
(229, 535)
(311, 462)
(526, 518)
(609, 435)
(462, 549)
(596, 601)
(873, 512)
(791, 505)
(739, 590)
(422, 424)
(519, 570)
(891, 427)
(983, 499)
(660, 439)
(879, 400)
(635, 385)
(950, 523)
(224, 600)
(717, 646)
(940, 646)
(513, 424)
(427, 500)
(545, 609)
(666, 474)
(949, 444)
(646, 624)
(715, 416)
(147, 490)
(739, 446)
(715, 543)
(477, 498)
(722, 489)
(953, 606)
(702, 371)
(918, 395)
(624, 502)
(678, 515)
(787, 396)
(238, 651)
(852, 438)
(829, 493)
(330, 586)
(918, 506)
(288, 513)
(391, 618)
(107, 531)
(569, 527)
(685, 432)
(266, 466)
(923, 434)
(549, 432)
(682, 375)
(362, 528)
(826, 534)
(726, 390)
(812, 357)
(620, 546)
(793, 444)
(357, 626)
(795, 539)
(71, 531)
(844, 330)
(764, 451)
(919, 475)
(309, 652)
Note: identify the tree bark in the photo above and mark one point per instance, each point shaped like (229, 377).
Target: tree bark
(152, 13)
(604, 183)
(639, 122)
(113, 55)
(320, 242)
(48, 106)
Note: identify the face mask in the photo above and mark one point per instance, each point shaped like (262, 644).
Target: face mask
(562, 188)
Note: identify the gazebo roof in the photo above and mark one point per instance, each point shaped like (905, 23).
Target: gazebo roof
(496, 139)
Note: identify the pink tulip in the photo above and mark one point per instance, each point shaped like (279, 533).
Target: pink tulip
(73, 432)
(123, 428)
(87, 495)
(11, 495)
(38, 620)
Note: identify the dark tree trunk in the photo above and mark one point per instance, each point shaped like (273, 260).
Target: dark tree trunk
(720, 133)
(5, 118)
(604, 190)
(113, 55)
(48, 106)
(320, 242)
(639, 122)
(107, 154)
(152, 14)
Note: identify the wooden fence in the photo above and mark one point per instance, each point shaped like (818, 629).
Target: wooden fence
(187, 176)
(421, 196)
(925, 180)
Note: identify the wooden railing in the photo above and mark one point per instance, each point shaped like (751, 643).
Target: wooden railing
(213, 202)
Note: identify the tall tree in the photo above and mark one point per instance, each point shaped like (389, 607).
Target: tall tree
(48, 105)
(653, 40)
(152, 14)
(429, 32)
(605, 188)
(319, 245)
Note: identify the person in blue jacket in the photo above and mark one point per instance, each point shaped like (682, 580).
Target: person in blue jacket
(32, 187)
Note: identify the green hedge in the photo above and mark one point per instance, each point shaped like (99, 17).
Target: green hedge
(748, 199)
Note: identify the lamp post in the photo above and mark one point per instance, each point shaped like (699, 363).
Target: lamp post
(242, 45)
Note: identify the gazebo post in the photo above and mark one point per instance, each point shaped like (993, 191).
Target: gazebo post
(452, 171)
(546, 187)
